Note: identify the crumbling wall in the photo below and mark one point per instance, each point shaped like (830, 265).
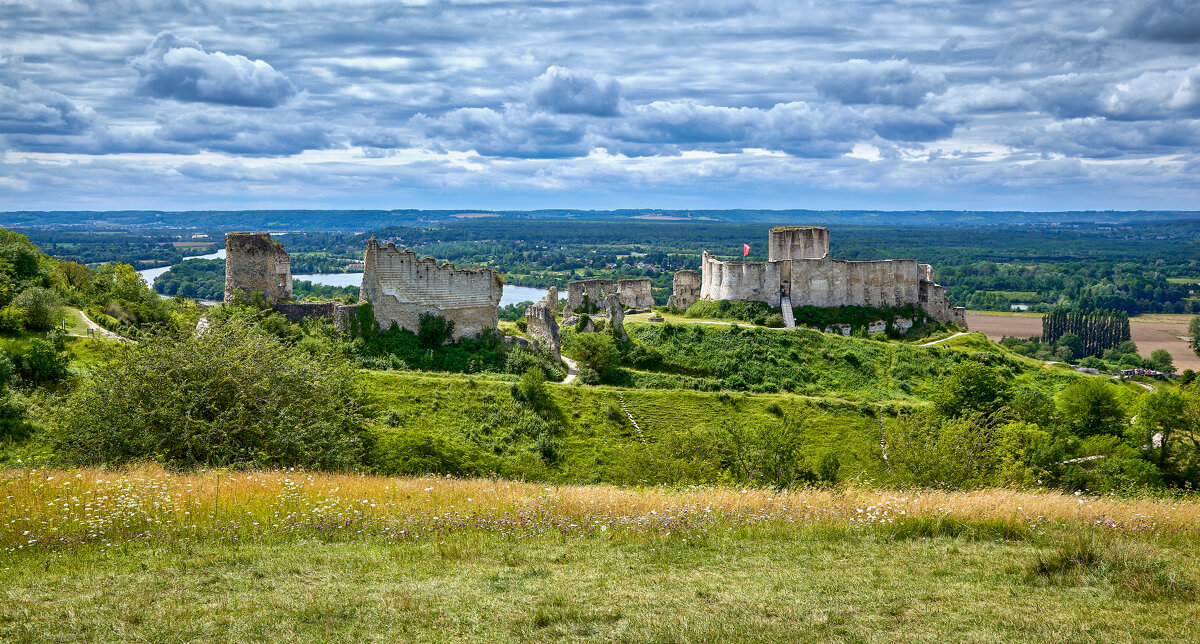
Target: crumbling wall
(255, 262)
(685, 289)
(798, 242)
(933, 299)
(595, 290)
(635, 293)
(757, 281)
(541, 325)
(336, 312)
(400, 287)
(615, 308)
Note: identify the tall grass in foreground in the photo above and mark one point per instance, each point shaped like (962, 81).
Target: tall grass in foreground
(42, 509)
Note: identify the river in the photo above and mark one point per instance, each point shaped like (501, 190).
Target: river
(510, 295)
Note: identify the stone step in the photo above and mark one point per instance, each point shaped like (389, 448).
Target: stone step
(789, 320)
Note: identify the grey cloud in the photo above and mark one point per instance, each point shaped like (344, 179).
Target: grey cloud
(566, 91)
(29, 109)
(891, 82)
(241, 133)
(1169, 20)
(512, 132)
(1097, 137)
(180, 69)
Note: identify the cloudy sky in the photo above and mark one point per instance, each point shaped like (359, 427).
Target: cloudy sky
(187, 104)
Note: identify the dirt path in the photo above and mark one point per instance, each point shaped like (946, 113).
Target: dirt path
(101, 331)
(930, 344)
(572, 370)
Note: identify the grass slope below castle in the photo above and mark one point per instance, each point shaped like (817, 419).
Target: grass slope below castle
(96, 555)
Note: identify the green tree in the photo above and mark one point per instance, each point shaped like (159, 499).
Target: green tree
(597, 351)
(1162, 360)
(1072, 342)
(43, 308)
(1090, 406)
(1161, 416)
(970, 388)
(1194, 331)
(233, 395)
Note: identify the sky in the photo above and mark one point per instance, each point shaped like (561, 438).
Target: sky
(854, 104)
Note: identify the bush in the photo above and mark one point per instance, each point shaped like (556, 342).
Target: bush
(596, 351)
(12, 320)
(774, 321)
(43, 308)
(233, 395)
(424, 451)
(42, 362)
(1090, 406)
(972, 387)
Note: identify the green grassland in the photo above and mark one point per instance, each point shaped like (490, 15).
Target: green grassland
(798, 586)
(147, 555)
(685, 432)
(804, 361)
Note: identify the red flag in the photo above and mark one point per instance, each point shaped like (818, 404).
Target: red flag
(745, 250)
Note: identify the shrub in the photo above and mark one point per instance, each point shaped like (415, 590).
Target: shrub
(233, 395)
(43, 308)
(972, 387)
(424, 451)
(596, 351)
(12, 319)
(1090, 406)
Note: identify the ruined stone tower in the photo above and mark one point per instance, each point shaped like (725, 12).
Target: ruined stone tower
(255, 262)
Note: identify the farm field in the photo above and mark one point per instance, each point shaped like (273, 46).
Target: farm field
(94, 555)
(1150, 332)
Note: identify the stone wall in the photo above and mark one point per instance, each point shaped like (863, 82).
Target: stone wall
(336, 312)
(635, 293)
(541, 325)
(938, 306)
(400, 287)
(255, 262)
(798, 242)
(799, 268)
(836, 282)
(595, 290)
(757, 281)
(685, 289)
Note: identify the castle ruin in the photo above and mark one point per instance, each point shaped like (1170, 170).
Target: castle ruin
(255, 262)
(401, 287)
(686, 289)
(799, 272)
(634, 293)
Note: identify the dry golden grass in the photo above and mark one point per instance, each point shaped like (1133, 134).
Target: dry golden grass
(61, 508)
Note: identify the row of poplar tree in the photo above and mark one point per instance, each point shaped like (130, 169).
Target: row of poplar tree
(1098, 329)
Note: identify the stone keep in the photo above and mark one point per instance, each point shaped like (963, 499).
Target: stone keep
(255, 262)
(400, 287)
(685, 289)
(798, 267)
